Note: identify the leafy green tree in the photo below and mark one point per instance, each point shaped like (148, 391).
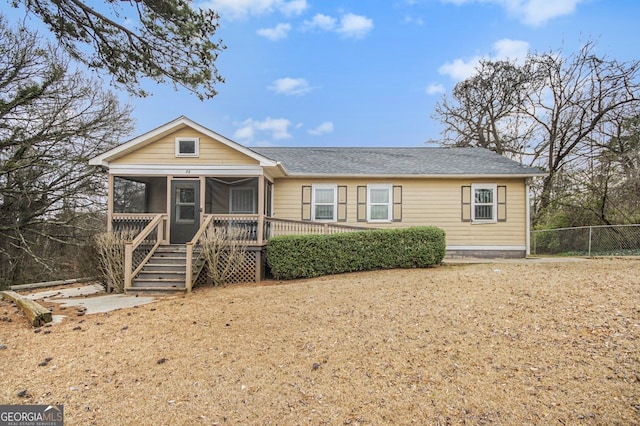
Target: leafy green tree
(171, 42)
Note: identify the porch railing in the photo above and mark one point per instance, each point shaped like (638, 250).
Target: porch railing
(256, 231)
(138, 251)
(276, 227)
(195, 253)
(136, 222)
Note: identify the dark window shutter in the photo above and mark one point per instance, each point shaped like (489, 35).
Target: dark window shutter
(397, 203)
(362, 204)
(342, 203)
(466, 203)
(502, 204)
(306, 203)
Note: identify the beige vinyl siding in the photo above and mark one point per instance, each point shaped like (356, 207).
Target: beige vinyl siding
(436, 202)
(163, 151)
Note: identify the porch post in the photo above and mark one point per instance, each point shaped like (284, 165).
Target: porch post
(128, 264)
(167, 234)
(110, 181)
(203, 194)
(261, 208)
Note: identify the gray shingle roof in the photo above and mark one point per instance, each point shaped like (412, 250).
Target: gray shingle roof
(395, 161)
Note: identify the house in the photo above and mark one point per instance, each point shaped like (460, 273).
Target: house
(176, 180)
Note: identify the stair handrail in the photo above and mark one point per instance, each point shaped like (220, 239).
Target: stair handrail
(190, 260)
(131, 246)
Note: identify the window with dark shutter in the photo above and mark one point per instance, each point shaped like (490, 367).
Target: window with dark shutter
(466, 203)
(306, 203)
(362, 204)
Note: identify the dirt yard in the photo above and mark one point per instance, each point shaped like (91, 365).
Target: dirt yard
(504, 343)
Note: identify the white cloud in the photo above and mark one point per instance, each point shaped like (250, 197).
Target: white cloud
(459, 69)
(413, 20)
(238, 9)
(279, 32)
(350, 25)
(275, 128)
(514, 50)
(531, 12)
(434, 89)
(355, 26)
(538, 12)
(295, 7)
(290, 86)
(326, 127)
(321, 22)
(505, 49)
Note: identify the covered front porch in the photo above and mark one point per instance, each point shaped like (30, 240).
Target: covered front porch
(167, 217)
(187, 201)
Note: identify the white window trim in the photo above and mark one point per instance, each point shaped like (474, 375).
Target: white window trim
(494, 216)
(389, 188)
(197, 147)
(253, 199)
(334, 187)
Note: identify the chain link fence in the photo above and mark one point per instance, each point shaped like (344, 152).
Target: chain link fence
(619, 240)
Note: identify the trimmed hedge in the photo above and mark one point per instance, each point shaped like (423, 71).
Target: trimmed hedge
(306, 256)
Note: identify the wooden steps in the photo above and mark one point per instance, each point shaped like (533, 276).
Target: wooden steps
(164, 273)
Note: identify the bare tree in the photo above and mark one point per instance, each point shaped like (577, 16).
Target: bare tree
(52, 121)
(485, 109)
(549, 112)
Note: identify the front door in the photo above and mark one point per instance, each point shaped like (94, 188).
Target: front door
(185, 210)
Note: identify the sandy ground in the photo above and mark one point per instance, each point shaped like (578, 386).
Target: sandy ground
(502, 343)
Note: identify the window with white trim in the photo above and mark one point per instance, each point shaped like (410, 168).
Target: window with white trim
(324, 200)
(187, 147)
(484, 203)
(379, 203)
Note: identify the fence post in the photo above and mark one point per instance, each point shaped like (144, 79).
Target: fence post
(590, 231)
(535, 234)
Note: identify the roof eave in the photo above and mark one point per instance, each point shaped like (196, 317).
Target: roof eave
(417, 176)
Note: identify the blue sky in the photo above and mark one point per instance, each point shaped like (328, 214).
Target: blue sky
(368, 73)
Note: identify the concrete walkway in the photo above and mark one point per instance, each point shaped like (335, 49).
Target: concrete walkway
(90, 297)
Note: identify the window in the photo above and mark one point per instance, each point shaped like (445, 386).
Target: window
(185, 203)
(243, 200)
(187, 147)
(484, 202)
(379, 203)
(324, 199)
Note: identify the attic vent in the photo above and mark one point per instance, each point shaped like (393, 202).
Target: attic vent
(187, 147)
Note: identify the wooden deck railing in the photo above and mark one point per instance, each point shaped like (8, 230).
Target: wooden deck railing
(276, 227)
(195, 248)
(138, 251)
(255, 229)
(130, 221)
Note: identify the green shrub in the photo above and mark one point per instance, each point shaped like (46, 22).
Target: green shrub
(306, 256)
